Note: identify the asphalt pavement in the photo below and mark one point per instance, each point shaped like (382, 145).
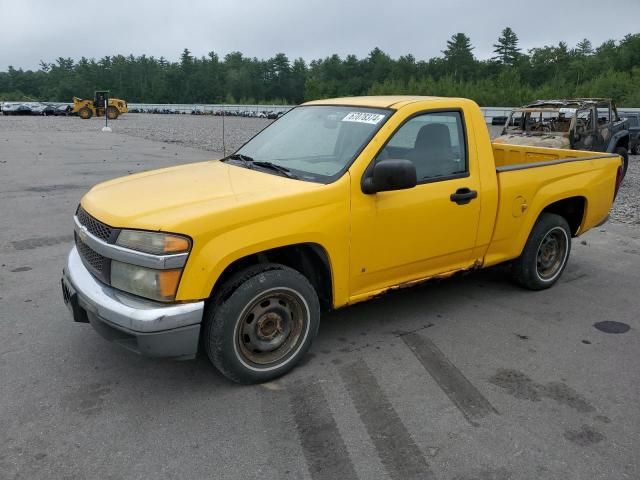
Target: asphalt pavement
(471, 378)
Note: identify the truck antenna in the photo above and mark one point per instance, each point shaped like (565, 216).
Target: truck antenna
(224, 147)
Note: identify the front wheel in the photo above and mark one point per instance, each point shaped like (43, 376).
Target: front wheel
(261, 323)
(85, 113)
(545, 254)
(112, 112)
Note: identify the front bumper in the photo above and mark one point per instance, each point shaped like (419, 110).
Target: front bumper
(146, 327)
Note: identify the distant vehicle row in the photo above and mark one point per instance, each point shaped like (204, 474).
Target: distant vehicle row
(64, 109)
(200, 111)
(35, 108)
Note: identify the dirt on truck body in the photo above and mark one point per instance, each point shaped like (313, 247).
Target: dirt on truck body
(579, 124)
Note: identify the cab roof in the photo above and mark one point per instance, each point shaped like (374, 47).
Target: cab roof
(382, 101)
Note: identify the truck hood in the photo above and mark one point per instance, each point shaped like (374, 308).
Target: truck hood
(163, 199)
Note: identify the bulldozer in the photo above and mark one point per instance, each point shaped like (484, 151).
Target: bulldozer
(86, 109)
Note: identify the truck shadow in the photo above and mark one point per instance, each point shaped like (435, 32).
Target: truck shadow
(344, 333)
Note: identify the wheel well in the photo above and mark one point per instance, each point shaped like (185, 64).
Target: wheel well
(623, 142)
(310, 259)
(572, 209)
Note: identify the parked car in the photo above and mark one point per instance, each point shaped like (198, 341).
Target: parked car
(22, 109)
(634, 131)
(581, 124)
(62, 110)
(37, 108)
(14, 108)
(337, 202)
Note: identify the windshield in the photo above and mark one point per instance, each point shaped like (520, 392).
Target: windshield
(316, 143)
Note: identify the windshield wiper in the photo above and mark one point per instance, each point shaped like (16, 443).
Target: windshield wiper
(277, 168)
(238, 156)
(249, 162)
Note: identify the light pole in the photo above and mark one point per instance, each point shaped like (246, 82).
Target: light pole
(106, 127)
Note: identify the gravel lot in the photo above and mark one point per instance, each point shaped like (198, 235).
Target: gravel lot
(465, 379)
(205, 132)
(197, 131)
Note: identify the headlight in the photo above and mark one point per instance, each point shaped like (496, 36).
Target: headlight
(160, 285)
(153, 242)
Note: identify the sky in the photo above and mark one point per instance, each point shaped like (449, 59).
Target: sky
(35, 30)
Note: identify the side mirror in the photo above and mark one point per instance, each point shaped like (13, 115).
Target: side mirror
(390, 174)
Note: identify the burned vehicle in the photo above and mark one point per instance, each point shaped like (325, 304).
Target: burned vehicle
(579, 124)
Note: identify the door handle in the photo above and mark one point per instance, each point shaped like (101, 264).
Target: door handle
(464, 195)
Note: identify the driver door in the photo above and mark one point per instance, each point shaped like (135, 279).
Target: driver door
(405, 235)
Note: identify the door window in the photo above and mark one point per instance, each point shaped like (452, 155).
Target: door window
(434, 142)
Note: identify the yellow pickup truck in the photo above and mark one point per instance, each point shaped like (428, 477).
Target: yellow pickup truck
(336, 202)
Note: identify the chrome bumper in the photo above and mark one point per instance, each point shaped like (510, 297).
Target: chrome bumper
(143, 326)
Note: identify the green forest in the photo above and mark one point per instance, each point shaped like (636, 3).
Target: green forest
(511, 77)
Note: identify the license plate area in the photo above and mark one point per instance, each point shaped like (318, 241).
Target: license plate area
(70, 297)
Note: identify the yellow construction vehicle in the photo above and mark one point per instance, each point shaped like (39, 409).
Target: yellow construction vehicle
(86, 109)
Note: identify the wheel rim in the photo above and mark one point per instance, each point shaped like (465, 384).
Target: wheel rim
(552, 253)
(271, 327)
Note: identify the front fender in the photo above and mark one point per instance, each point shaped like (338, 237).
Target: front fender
(326, 224)
(615, 140)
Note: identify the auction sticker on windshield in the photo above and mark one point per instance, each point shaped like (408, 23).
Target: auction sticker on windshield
(363, 117)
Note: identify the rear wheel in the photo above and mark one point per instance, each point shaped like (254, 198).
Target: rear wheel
(85, 113)
(112, 113)
(625, 159)
(261, 323)
(545, 254)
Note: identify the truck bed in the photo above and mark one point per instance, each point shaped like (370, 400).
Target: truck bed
(531, 178)
(511, 157)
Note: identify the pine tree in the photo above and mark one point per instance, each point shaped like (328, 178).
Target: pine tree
(459, 57)
(584, 48)
(507, 47)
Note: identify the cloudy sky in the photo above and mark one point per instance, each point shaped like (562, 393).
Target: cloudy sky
(34, 30)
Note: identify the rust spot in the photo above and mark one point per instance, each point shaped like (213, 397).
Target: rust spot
(477, 264)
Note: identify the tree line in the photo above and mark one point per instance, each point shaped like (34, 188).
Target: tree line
(511, 77)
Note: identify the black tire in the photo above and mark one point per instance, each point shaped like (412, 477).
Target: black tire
(112, 113)
(625, 159)
(636, 149)
(545, 254)
(85, 113)
(267, 300)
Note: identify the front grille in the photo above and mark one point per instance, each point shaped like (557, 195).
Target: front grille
(94, 259)
(97, 264)
(95, 227)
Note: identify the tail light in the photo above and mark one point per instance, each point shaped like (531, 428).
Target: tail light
(618, 181)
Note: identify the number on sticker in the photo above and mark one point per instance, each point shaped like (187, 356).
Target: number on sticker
(363, 117)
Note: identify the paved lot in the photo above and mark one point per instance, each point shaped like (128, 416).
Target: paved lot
(465, 379)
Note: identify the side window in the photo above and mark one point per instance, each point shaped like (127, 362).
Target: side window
(434, 142)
